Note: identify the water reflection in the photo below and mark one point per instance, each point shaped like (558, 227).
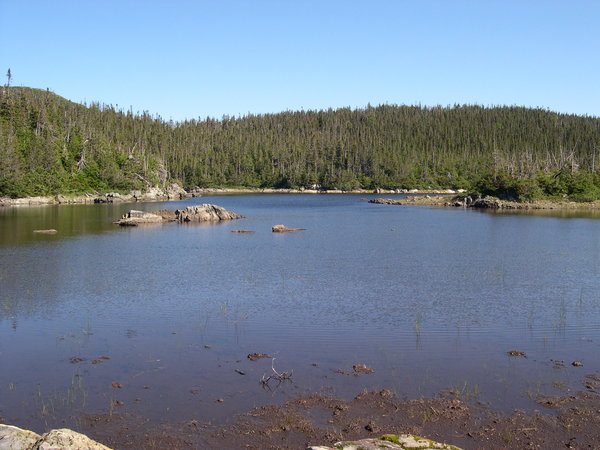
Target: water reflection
(433, 305)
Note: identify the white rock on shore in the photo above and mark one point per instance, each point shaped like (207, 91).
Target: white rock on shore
(391, 441)
(14, 438)
(171, 192)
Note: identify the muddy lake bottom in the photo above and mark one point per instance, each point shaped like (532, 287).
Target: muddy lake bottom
(143, 335)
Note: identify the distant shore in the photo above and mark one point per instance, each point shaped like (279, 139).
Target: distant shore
(175, 192)
(492, 203)
(422, 197)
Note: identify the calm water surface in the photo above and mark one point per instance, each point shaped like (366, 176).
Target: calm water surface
(431, 299)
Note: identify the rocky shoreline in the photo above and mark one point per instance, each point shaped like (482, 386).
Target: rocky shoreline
(171, 192)
(201, 213)
(176, 192)
(486, 202)
(321, 422)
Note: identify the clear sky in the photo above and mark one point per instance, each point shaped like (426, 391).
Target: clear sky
(189, 59)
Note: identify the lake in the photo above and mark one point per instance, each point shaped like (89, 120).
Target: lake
(158, 321)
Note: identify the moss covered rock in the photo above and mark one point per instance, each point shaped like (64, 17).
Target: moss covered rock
(393, 441)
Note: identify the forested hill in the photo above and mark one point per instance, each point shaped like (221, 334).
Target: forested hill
(50, 145)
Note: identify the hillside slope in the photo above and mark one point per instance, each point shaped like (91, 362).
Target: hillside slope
(50, 145)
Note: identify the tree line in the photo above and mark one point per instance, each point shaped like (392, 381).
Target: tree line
(50, 145)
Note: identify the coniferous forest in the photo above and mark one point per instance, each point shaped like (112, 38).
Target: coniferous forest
(49, 145)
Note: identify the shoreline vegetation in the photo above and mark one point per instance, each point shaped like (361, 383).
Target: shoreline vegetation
(414, 197)
(487, 202)
(175, 192)
(50, 146)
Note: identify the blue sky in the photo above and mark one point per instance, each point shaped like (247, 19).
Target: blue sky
(190, 59)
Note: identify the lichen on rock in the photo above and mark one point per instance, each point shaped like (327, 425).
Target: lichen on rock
(392, 441)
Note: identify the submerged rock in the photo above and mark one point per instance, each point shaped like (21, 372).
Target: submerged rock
(49, 231)
(205, 213)
(402, 441)
(362, 369)
(284, 229)
(257, 356)
(385, 201)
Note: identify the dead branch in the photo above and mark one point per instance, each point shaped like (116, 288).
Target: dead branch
(277, 376)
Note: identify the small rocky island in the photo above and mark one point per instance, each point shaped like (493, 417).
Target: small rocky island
(201, 213)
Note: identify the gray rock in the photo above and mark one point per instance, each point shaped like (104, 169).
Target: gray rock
(176, 192)
(487, 202)
(30, 201)
(201, 213)
(385, 201)
(65, 439)
(393, 441)
(153, 193)
(284, 229)
(134, 218)
(14, 438)
(75, 199)
(205, 213)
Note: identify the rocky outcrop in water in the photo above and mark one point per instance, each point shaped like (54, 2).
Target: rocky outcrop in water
(284, 229)
(205, 213)
(201, 213)
(14, 438)
(486, 202)
(424, 200)
(393, 441)
(385, 201)
(134, 218)
(48, 231)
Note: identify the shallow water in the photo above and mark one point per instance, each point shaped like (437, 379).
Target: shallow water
(430, 298)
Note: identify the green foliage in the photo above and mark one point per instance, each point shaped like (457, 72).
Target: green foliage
(578, 187)
(508, 187)
(49, 145)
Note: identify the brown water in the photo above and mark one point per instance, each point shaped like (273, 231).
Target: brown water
(430, 299)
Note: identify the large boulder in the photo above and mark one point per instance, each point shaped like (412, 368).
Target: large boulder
(65, 439)
(487, 202)
(176, 192)
(14, 438)
(201, 213)
(205, 213)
